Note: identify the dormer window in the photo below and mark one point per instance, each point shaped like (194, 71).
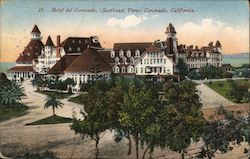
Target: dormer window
(121, 53)
(132, 61)
(123, 70)
(124, 59)
(128, 53)
(78, 49)
(70, 49)
(116, 60)
(112, 54)
(137, 53)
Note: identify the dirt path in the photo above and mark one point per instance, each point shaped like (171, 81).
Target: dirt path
(210, 98)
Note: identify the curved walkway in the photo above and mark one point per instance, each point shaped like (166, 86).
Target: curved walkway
(210, 98)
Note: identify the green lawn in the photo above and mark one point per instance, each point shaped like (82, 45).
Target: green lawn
(15, 110)
(57, 94)
(223, 87)
(79, 99)
(52, 120)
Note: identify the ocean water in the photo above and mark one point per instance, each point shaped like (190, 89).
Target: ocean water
(236, 62)
(6, 65)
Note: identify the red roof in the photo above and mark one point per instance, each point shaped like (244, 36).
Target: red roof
(35, 30)
(170, 29)
(49, 42)
(86, 62)
(31, 51)
(21, 69)
(72, 44)
(62, 64)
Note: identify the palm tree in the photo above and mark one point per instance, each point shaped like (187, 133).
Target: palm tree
(11, 94)
(53, 102)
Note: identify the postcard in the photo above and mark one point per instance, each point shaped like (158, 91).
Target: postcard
(124, 79)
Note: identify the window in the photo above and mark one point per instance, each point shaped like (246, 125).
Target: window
(116, 60)
(112, 54)
(141, 69)
(137, 53)
(164, 61)
(70, 49)
(78, 49)
(164, 70)
(136, 70)
(128, 53)
(131, 70)
(80, 41)
(121, 53)
(117, 70)
(132, 60)
(123, 70)
(124, 59)
(73, 41)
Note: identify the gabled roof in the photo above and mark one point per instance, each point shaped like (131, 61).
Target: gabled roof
(31, 51)
(142, 46)
(62, 64)
(35, 30)
(218, 44)
(152, 48)
(71, 44)
(89, 60)
(21, 69)
(106, 55)
(49, 42)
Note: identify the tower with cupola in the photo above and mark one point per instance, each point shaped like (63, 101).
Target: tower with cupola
(35, 33)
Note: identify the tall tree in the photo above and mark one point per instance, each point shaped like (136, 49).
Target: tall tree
(182, 68)
(95, 117)
(181, 117)
(137, 112)
(54, 103)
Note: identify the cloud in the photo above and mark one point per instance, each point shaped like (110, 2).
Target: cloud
(129, 21)
(233, 39)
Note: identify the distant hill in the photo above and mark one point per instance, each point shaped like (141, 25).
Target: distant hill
(240, 55)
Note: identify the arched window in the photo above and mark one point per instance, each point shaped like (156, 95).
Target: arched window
(112, 54)
(70, 49)
(124, 59)
(116, 60)
(137, 53)
(128, 53)
(121, 53)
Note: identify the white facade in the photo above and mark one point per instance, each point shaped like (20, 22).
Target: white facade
(154, 63)
(46, 60)
(83, 77)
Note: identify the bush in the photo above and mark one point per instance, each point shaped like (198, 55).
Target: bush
(28, 155)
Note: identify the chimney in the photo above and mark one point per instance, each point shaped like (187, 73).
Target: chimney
(210, 44)
(196, 47)
(58, 40)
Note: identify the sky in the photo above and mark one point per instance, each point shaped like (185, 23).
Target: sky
(196, 22)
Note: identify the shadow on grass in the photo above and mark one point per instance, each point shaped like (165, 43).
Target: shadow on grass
(15, 110)
(51, 120)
